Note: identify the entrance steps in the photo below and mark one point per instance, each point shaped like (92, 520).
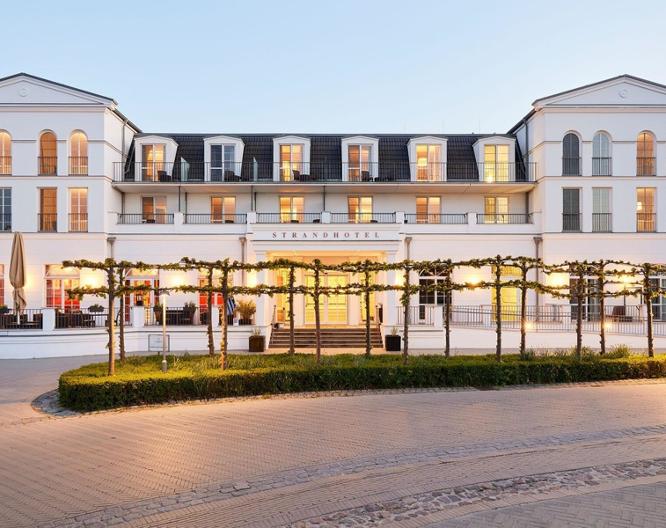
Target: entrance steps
(349, 337)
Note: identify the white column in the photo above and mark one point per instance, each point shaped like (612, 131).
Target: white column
(262, 315)
(48, 319)
(215, 314)
(138, 316)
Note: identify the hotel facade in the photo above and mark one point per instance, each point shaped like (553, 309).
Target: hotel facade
(581, 176)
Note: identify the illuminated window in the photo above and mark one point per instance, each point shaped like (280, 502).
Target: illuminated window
(222, 209)
(646, 218)
(291, 162)
(58, 281)
(359, 209)
(48, 154)
(5, 211)
(203, 296)
(429, 163)
(360, 168)
(78, 152)
(645, 160)
(78, 210)
(291, 209)
(427, 209)
(5, 153)
(496, 163)
(2, 284)
(496, 210)
(154, 209)
(152, 165)
(571, 155)
(48, 209)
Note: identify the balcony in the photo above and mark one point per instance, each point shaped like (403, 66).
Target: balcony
(5, 165)
(145, 218)
(646, 222)
(571, 222)
(47, 222)
(571, 166)
(602, 222)
(436, 218)
(503, 218)
(78, 166)
(646, 166)
(362, 218)
(5, 222)
(329, 172)
(201, 218)
(47, 166)
(78, 222)
(602, 166)
(288, 218)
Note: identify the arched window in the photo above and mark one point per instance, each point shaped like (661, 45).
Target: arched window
(48, 154)
(601, 155)
(571, 155)
(5, 153)
(645, 160)
(78, 153)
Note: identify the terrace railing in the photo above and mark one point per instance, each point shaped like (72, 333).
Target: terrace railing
(504, 218)
(145, 218)
(29, 319)
(289, 218)
(203, 218)
(5, 165)
(436, 218)
(363, 218)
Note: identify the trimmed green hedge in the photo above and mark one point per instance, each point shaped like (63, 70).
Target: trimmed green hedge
(140, 381)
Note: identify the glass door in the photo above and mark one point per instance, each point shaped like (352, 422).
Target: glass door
(332, 308)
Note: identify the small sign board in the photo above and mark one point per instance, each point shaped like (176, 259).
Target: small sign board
(155, 343)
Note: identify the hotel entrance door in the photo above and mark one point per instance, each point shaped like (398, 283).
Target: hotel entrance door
(333, 307)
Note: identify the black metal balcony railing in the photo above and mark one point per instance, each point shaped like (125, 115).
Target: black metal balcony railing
(571, 222)
(602, 166)
(48, 165)
(328, 172)
(5, 165)
(81, 319)
(504, 218)
(145, 218)
(362, 218)
(47, 222)
(78, 166)
(28, 319)
(289, 218)
(646, 222)
(5, 222)
(78, 222)
(646, 166)
(571, 166)
(436, 218)
(207, 218)
(602, 222)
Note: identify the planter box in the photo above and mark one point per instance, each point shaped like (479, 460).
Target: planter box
(257, 343)
(392, 343)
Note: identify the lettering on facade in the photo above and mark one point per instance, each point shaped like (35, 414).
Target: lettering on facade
(326, 235)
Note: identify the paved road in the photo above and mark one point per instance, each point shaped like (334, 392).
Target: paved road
(585, 455)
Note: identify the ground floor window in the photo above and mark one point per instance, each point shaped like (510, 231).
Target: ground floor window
(658, 304)
(589, 301)
(58, 281)
(430, 295)
(2, 284)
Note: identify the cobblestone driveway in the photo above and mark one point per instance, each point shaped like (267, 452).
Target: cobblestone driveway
(565, 456)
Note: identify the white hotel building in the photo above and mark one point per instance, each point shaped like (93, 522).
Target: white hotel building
(581, 176)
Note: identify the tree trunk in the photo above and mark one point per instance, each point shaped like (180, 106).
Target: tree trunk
(316, 311)
(366, 293)
(602, 315)
(225, 324)
(121, 326)
(648, 306)
(405, 325)
(579, 316)
(498, 310)
(523, 314)
(112, 324)
(447, 315)
(209, 304)
(292, 280)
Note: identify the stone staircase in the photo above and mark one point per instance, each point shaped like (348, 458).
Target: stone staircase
(350, 337)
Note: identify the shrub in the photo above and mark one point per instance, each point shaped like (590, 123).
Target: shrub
(618, 351)
(139, 380)
(528, 355)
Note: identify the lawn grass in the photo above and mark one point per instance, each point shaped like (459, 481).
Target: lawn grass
(139, 380)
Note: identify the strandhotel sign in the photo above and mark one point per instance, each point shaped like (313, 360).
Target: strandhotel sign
(327, 233)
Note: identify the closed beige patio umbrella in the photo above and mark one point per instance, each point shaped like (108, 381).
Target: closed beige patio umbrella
(17, 274)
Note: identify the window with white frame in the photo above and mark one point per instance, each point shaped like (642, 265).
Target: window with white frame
(570, 155)
(78, 210)
(645, 158)
(222, 209)
(428, 209)
(646, 217)
(58, 281)
(359, 209)
(223, 163)
(154, 209)
(496, 210)
(429, 166)
(291, 161)
(495, 163)
(153, 161)
(291, 208)
(601, 154)
(571, 210)
(78, 154)
(5, 153)
(5, 209)
(359, 165)
(2, 284)
(601, 210)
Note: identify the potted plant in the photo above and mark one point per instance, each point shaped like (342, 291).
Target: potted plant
(246, 310)
(257, 341)
(392, 341)
(4, 309)
(95, 308)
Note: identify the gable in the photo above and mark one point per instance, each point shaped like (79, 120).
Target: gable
(620, 91)
(26, 90)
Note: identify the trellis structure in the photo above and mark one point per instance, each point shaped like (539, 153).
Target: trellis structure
(606, 272)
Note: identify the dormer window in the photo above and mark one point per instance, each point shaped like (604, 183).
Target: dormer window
(359, 168)
(223, 162)
(291, 162)
(495, 163)
(429, 163)
(153, 166)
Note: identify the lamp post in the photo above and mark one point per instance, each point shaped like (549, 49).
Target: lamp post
(163, 299)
